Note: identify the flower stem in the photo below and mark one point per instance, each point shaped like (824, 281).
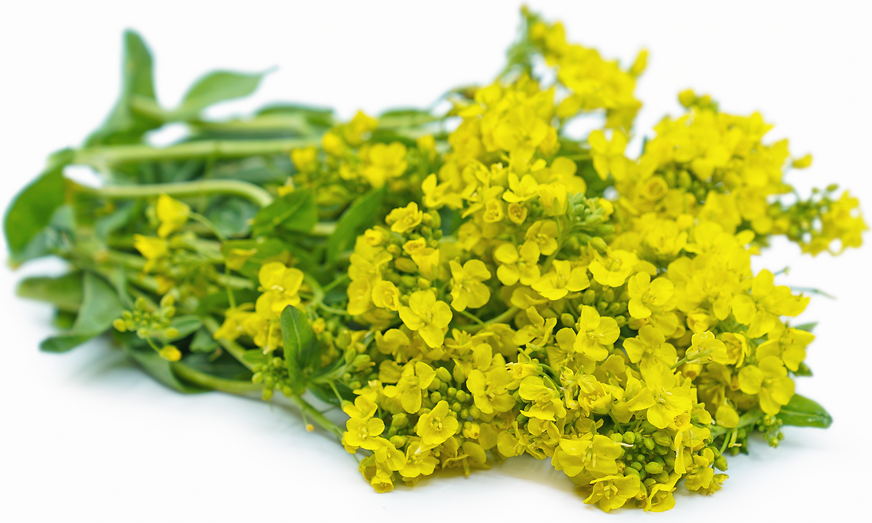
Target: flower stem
(247, 190)
(102, 158)
(207, 381)
(502, 318)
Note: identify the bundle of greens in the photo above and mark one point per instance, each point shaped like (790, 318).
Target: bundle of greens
(467, 285)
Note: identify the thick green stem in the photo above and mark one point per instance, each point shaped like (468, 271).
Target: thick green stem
(247, 190)
(108, 157)
(208, 381)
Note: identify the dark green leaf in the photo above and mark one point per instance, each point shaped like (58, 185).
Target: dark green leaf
(124, 124)
(159, 368)
(255, 357)
(302, 349)
(361, 215)
(216, 87)
(295, 212)
(803, 412)
(32, 210)
(100, 307)
(64, 292)
(233, 217)
(803, 370)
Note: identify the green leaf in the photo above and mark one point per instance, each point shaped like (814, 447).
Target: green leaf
(158, 368)
(809, 327)
(216, 87)
(302, 350)
(186, 325)
(232, 217)
(224, 366)
(361, 215)
(33, 208)
(100, 307)
(125, 125)
(64, 292)
(803, 412)
(203, 342)
(294, 212)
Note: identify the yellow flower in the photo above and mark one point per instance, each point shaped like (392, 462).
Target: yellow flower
(608, 156)
(402, 219)
(553, 198)
(545, 402)
(595, 333)
(662, 396)
(152, 249)
(614, 269)
(561, 280)
(520, 190)
(544, 233)
(491, 391)
(788, 345)
(362, 433)
(647, 296)
(592, 453)
(385, 295)
(172, 215)
(419, 460)
(437, 195)
(517, 264)
(383, 162)
(437, 425)
(467, 288)
(427, 316)
(768, 379)
(650, 344)
(611, 492)
(761, 310)
(305, 159)
(280, 286)
(414, 379)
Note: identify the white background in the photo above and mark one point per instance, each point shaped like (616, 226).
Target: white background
(87, 437)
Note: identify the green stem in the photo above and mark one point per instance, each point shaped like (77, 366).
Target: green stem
(502, 318)
(188, 373)
(317, 417)
(111, 156)
(472, 317)
(247, 190)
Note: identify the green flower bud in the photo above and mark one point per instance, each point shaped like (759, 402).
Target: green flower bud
(435, 397)
(443, 374)
(653, 467)
(423, 283)
(456, 407)
(171, 332)
(629, 437)
(588, 297)
(661, 438)
(119, 325)
(721, 463)
(398, 441)
(474, 412)
(599, 244)
(567, 320)
(267, 394)
(400, 420)
(649, 443)
(617, 438)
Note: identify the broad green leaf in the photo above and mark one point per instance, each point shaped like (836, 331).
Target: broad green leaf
(100, 307)
(294, 212)
(232, 216)
(803, 370)
(33, 208)
(159, 368)
(216, 87)
(803, 412)
(255, 357)
(64, 292)
(361, 215)
(125, 125)
(806, 326)
(302, 350)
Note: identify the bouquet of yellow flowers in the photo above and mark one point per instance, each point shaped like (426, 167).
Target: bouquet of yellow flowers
(468, 284)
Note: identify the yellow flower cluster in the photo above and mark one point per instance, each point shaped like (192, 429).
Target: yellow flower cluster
(533, 295)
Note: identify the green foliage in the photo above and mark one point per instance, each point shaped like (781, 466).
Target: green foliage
(64, 292)
(293, 212)
(804, 412)
(302, 351)
(100, 307)
(125, 124)
(33, 208)
(218, 86)
(361, 215)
